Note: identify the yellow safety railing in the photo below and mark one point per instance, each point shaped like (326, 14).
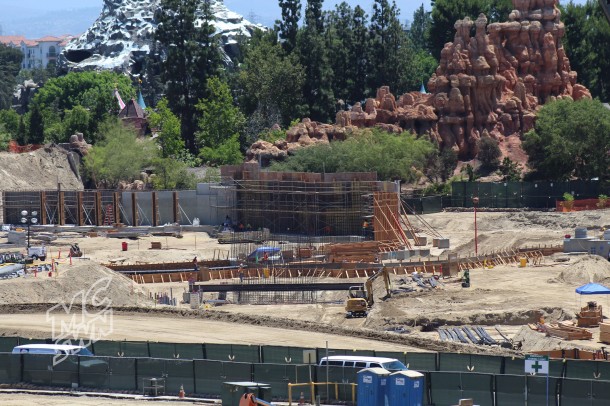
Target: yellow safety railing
(312, 389)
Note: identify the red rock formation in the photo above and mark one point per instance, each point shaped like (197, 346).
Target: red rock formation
(489, 84)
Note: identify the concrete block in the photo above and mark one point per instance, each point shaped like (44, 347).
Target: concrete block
(443, 243)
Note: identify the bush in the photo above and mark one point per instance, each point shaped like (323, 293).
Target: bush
(489, 153)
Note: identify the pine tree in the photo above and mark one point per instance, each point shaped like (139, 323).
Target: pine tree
(340, 39)
(313, 53)
(191, 58)
(288, 26)
(418, 31)
(36, 129)
(386, 36)
(359, 55)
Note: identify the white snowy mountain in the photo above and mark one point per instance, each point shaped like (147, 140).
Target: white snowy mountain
(123, 33)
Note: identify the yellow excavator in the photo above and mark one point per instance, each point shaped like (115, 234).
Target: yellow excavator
(360, 300)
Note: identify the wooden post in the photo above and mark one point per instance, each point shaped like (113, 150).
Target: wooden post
(80, 212)
(99, 219)
(61, 216)
(155, 209)
(134, 209)
(176, 207)
(116, 198)
(43, 203)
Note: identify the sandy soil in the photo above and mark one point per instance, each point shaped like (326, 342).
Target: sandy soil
(506, 296)
(15, 399)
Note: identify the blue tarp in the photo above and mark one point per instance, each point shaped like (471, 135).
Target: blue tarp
(593, 289)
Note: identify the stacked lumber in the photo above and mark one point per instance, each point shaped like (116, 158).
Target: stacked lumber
(604, 332)
(366, 251)
(590, 315)
(568, 332)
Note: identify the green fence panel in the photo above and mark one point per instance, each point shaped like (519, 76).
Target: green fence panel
(486, 364)
(603, 371)
(579, 369)
(230, 352)
(65, 371)
(576, 392)
(122, 374)
(147, 368)
(432, 204)
(510, 390)
(601, 393)
(208, 380)
(446, 388)
(283, 355)
(36, 369)
(93, 372)
(479, 387)
(10, 368)
(514, 366)
(8, 343)
(43, 369)
(189, 351)
(179, 373)
(134, 349)
(162, 350)
(345, 351)
(537, 390)
(278, 376)
(556, 367)
(449, 362)
(344, 376)
(209, 375)
(421, 361)
(105, 348)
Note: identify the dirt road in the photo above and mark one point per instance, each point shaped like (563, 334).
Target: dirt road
(166, 329)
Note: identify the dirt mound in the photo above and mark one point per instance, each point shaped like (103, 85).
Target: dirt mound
(84, 282)
(42, 169)
(585, 269)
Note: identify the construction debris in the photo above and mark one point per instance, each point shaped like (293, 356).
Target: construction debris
(590, 315)
(562, 330)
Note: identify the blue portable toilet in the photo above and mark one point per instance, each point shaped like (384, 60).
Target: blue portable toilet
(372, 387)
(406, 388)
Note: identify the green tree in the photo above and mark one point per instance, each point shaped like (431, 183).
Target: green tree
(93, 91)
(313, 52)
(340, 38)
(221, 123)
(489, 153)
(75, 121)
(5, 137)
(10, 64)
(587, 28)
(359, 55)
(168, 126)
(446, 12)
(228, 152)
(570, 139)
(170, 174)
(36, 127)
(288, 26)
(118, 156)
(419, 28)
(387, 38)
(392, 156)
(10, 119)
(192, 56)
(272, 81)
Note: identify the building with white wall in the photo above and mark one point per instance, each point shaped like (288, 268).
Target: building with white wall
(37, 53)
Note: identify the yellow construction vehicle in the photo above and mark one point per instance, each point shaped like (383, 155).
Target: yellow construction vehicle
(361, 299)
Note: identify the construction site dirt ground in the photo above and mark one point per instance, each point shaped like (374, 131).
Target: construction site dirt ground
(506, 296)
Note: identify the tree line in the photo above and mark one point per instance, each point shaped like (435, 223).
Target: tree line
(311, 63)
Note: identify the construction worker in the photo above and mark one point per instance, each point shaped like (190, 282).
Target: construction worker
(466, 279)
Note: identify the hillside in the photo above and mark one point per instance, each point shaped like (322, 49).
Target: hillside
(38, 170)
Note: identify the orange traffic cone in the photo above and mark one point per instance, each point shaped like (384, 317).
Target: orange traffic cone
(181, 392)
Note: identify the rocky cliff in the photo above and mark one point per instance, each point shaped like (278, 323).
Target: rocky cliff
(123, 33)
(487, 85)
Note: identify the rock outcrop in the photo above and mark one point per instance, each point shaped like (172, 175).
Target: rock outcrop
(487, 85)
(123, 34)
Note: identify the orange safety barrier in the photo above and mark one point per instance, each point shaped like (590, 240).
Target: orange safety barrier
(581, 205)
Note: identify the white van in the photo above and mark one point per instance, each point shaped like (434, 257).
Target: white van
(354, 361)
(56, 349)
